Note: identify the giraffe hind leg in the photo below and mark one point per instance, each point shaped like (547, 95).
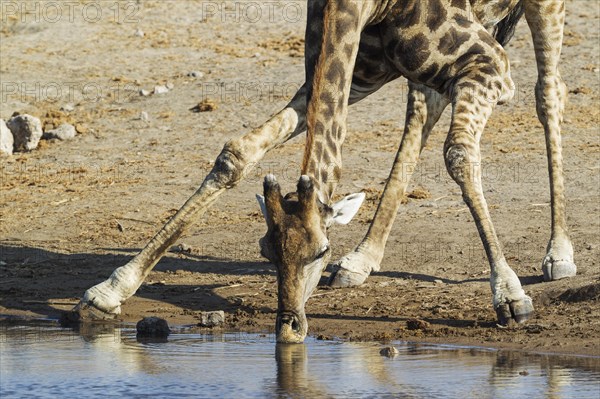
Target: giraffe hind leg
(547, 31)
(472, 108)
(423, 110)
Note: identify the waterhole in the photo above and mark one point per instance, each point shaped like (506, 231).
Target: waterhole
(46, 361)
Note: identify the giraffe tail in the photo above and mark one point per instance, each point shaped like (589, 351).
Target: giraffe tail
(505, 29)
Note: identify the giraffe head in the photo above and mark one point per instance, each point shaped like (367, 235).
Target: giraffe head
(296, 243)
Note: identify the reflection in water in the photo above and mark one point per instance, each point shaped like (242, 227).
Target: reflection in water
(47, 361)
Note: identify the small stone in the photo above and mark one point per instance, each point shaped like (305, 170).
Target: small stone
(64, 132)
(67, 108)
(81, 128)
(195, 74)
(144, 116)
(212, 319)
(26, 130)
(589, 247)
(139, 33)
(204, 106)
(170, 86)
(524, 372)
(417, 324)
(6, 139)
(389, 351)
(181, 248)
(144, 93)
(162, 89)
(152, 327)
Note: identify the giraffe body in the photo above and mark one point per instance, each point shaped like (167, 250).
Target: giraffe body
(451, 52)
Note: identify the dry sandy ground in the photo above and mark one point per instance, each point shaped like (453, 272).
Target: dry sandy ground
(73, 211)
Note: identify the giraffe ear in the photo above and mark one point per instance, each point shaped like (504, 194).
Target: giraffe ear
(263, 206)
(345, 209)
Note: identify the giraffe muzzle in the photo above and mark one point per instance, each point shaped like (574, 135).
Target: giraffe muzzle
(290, 327)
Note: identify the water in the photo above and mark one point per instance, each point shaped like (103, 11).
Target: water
(104, 362)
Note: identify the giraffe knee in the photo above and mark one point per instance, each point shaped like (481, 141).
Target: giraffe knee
(229, 166)
(551, 96)
(458, 163)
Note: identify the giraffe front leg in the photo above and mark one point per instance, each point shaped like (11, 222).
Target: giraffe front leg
(423, 111)
(550, 93)
(103, 301)
(463, 162)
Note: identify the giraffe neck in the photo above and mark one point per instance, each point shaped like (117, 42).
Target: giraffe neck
(336, 37)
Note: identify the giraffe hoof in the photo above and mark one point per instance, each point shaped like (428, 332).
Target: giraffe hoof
(89, 311)
(350, 271)
(518, 311)
(343, 278)
(558, 269)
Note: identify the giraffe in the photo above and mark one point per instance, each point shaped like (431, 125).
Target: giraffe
(451, 53)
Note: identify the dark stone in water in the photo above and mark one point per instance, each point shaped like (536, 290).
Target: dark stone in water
(153, 327)
(389, 351)
(212, 319)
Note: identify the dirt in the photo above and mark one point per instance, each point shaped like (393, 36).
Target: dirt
(71, 212)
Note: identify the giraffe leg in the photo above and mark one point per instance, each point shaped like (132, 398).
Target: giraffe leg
(238, 156)
(546, 21)
(103, 301)
(423, 110)
(463, 161)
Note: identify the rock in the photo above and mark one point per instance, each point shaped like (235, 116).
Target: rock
(139, 33)
(204, 106)
(80, 128)
(67, 108)
(389, 351)
(6, 139)
(144, 93)
(26, 130)
(170, 86)
(144, 116)
(195, 74)
(64, 132)
(212, 319)
(179, 248)
(153, 327)
(417, 324)
(161, 89)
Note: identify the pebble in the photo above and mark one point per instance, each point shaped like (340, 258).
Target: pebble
(144, 93)
(144, 116)
(161, 89)
(153, 327)
(417, 324)
(26, 130)
(6, 139)
(389, 351)
(64, 132)
(195, 74)
(139, 33)
(170, 86)
(212, 319)
(67, 108)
